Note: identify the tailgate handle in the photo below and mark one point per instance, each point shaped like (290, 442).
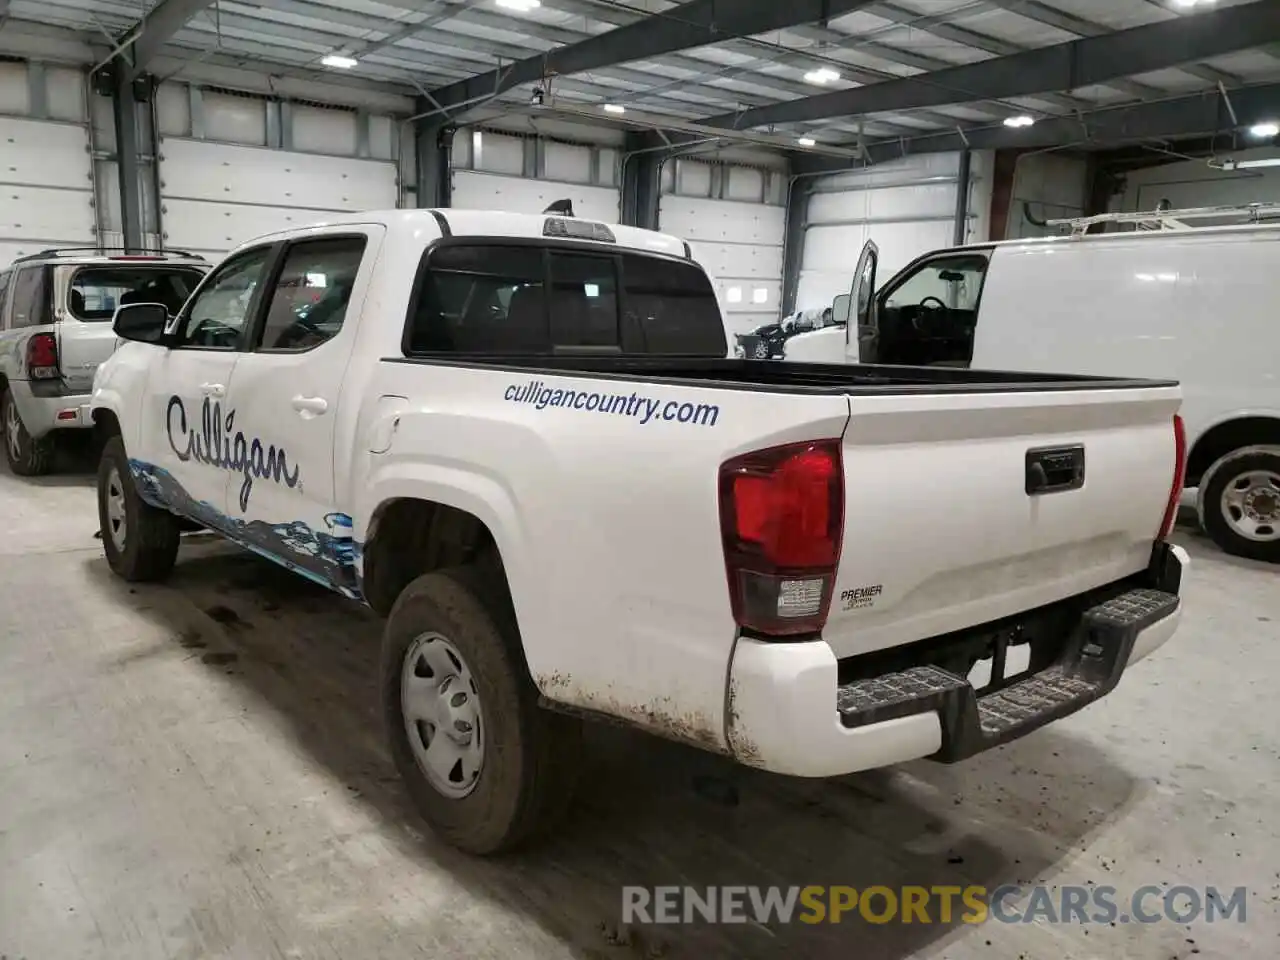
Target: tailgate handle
(1054, 469)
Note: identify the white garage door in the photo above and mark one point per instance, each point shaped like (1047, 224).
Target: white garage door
(907, 207)
(215, 196)
(734, 234)
(492, 172)
(46, 168)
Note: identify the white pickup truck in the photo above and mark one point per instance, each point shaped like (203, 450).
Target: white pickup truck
(520, 438)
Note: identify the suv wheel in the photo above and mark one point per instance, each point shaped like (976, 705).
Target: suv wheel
(1240, 503)
(27, 456)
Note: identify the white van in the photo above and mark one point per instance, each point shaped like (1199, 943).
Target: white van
(1199, 304)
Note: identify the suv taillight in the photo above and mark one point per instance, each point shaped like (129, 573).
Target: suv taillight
(782, 520)
(1179, 477)
(42, 356)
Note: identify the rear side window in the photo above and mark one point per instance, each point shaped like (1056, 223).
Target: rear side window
(31, 298)
(671, 309)
(487, 298)
(312, 291)
(481, 299)
(97, 291)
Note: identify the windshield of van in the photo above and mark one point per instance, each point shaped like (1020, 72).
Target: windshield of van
(97, 291)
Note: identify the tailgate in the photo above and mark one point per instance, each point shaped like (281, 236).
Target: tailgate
(82, 347)
(964, 508)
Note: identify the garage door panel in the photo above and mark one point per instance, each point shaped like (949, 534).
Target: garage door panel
(485, 191)
(44, 154)
(204, 227)
(45, 213)
(199, 170)
(917, 201)
(737, 260)
(717, 220)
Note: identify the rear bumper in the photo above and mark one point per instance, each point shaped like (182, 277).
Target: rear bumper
(790, 713)
(45, 407)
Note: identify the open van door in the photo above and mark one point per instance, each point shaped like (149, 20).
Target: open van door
(863, 331)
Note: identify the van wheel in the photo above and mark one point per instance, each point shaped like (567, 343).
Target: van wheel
(486, 767)
(141, 541)
(1240, 503)
(27, 456)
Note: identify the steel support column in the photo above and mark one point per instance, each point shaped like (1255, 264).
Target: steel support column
(434, 143)
(125, 112)
(962, 199)
(799, 191)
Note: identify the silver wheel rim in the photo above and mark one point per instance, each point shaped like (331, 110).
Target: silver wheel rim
(1251, 505)
(13, 430)
(442, 715)
(116, 527)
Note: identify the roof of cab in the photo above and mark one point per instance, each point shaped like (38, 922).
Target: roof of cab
(489, 223)
(1111, 236)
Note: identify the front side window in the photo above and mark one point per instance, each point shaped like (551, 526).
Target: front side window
(952, 282)
(31, 299)
(218, 313)
(481, 298)
(97, 291)
(310, 296)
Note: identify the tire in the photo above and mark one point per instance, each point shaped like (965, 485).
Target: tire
(1240, 494)
(524, 778)
(146, 548)
(27, 456)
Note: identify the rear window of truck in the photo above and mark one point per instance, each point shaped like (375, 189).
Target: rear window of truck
(97, 291)
(540, 299)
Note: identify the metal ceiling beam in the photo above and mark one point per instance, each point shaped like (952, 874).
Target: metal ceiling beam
(159, 26)
(1199, 114)
(1069, 23)
(696, 23)
(937, 26)
(1064, 66)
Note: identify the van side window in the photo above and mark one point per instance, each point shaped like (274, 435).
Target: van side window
(929, 317)
(31, 298)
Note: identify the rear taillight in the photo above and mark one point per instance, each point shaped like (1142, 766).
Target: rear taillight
(781, 518)
(42, 356)
(1179, 476)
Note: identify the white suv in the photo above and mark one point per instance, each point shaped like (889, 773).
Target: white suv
(56, 309)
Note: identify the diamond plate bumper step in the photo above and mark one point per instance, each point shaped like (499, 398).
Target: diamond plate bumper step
(1093, 658)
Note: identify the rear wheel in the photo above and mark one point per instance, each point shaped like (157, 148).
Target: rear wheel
(487, 768)
(27, 456)
(141, 541)
(1240, 503)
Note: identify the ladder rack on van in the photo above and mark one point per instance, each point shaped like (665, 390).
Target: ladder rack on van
(1172, 219)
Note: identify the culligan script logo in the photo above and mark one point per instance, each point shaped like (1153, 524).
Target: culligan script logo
(212, 442)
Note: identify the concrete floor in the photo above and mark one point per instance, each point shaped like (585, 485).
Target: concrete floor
(196, 771)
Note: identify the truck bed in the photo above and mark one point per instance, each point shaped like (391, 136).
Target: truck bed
(798, 378)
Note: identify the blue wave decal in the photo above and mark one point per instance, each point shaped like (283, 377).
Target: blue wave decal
(213, 443)
(330, 557)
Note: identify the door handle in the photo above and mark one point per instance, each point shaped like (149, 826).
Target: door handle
(310, 406)
(213, 389)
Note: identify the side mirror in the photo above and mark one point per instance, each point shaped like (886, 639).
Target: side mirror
(840, 309)
(141, 322)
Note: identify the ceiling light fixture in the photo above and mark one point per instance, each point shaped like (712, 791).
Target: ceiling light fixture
(522, 6)
(1267, 128)
(807, 142)
(1021, 120)
(339, 61)
(1190, 3)
(822, 75)
(614, 108)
